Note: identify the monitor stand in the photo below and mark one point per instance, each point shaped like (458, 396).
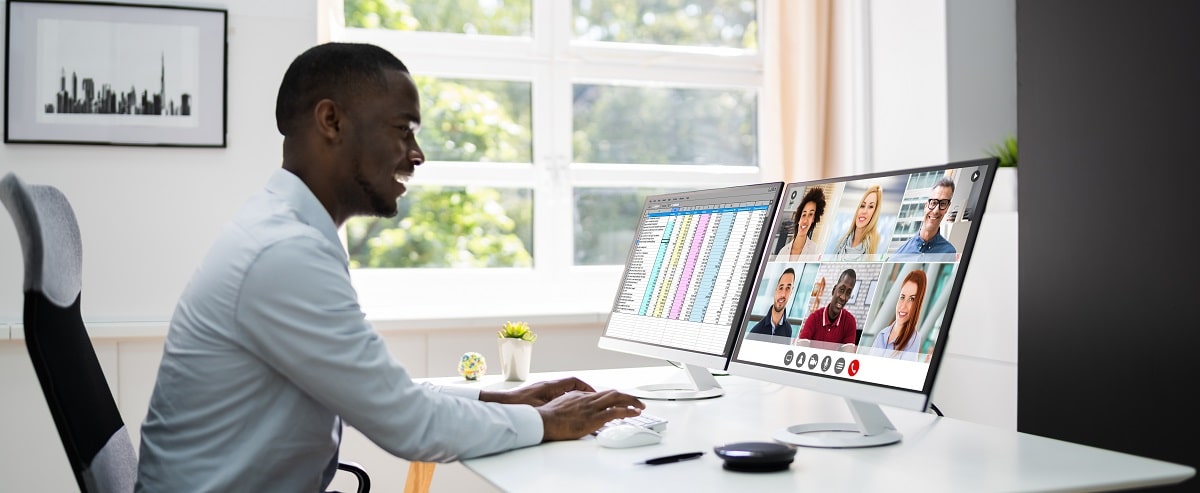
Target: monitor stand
(871, 428)
(703, 386)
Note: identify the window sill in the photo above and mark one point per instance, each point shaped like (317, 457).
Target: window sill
(383, 324)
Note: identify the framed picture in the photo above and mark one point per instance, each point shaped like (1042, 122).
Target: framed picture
(115, 74)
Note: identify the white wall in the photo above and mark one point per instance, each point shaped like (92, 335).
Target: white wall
(944, 89)
(147, 215)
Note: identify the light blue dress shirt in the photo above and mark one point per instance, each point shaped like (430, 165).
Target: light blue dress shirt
(881, 347)
(937, 249)
(268, 352)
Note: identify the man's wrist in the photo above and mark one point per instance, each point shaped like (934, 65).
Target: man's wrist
(494, 396)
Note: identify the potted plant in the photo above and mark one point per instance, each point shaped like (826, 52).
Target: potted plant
(516, 349)
(1006, 152)
(1004, 186)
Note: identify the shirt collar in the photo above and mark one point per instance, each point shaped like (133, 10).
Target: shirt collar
(825, 317)
(296, 193)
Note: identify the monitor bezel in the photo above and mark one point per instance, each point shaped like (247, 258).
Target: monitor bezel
(870, 392)
(686, 356)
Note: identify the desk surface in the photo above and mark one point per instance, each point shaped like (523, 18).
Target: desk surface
(935, 454)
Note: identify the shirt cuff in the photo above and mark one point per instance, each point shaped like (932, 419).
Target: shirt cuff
(528, 422)
(525, 418)
(468, 392)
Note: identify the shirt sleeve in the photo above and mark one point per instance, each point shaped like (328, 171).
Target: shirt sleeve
(299, 313)
(850, 335)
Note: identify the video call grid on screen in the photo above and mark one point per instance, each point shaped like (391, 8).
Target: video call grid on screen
(896, 206)
(684, 284)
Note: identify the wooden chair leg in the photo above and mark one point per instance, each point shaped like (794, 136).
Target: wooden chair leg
(420, 475)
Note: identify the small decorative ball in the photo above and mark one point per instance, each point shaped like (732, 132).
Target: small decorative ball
(472, 365)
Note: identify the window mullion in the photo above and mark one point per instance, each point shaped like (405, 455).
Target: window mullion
(553, 198)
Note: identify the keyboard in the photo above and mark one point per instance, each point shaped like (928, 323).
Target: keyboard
(644, 420)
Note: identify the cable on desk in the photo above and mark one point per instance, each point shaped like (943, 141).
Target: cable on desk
(935, 409)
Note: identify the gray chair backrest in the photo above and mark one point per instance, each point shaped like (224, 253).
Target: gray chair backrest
(49, 237)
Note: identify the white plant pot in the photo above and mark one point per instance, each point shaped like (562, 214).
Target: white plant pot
(514, 358)
(1003, 197)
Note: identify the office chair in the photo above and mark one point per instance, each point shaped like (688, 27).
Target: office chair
(84, 411)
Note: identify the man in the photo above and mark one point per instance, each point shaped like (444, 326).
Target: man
(832, 324)
(775, 323)
(929, 244)
(268, 351)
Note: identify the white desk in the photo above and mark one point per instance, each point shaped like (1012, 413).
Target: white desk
(936, 453)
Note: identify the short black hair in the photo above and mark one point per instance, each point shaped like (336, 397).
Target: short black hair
(849, 273)
(817, 197)
(337, 71)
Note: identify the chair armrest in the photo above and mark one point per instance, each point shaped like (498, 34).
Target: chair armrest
(364, 480)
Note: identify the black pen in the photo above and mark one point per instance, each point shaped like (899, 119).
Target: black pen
(671, 458)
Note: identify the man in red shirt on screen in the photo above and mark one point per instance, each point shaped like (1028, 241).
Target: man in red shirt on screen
(831, 326)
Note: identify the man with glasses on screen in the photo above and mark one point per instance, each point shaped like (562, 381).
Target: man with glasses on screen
(929, 244)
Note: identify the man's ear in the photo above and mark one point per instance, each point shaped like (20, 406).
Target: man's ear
(328, 117)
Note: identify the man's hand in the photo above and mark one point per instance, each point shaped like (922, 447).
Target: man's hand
(578, 413)
(536, 394)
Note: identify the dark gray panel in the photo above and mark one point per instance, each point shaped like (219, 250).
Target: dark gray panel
(1109, 125)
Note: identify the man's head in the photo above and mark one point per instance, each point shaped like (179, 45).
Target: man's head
(841, 293)
(783, 290)
(936, 207)
(349, 113)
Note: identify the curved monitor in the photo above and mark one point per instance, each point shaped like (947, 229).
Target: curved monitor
(683, 291)
(856, 293)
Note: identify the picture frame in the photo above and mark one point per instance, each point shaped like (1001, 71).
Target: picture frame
(115, 74)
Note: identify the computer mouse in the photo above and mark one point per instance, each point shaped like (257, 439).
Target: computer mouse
(625, 436)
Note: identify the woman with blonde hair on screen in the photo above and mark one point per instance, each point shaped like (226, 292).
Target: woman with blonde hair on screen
(899, 340)
(862, 239)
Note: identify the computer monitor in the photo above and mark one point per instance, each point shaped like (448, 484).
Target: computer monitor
(686, 282)
(862, 307)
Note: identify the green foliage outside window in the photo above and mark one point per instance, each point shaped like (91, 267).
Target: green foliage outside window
(475, 121)
(487, 228)
(712, 23)
(483, 121)
(494, 17)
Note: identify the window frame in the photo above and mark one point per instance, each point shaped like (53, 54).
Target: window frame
(552, 64)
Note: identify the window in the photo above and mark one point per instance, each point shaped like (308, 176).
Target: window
(545, 125)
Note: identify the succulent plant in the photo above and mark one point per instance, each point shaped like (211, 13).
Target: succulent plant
(516, 330)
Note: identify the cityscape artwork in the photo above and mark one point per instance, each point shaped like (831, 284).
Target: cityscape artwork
(115, 74)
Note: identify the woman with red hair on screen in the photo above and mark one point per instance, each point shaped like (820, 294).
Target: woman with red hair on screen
(899, 340)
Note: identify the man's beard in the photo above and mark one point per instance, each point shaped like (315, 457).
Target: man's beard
(380, 206)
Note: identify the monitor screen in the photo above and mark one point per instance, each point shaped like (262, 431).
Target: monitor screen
(685, 284)
(856, 293)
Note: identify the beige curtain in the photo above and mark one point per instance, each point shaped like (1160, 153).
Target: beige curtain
(803, 65)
